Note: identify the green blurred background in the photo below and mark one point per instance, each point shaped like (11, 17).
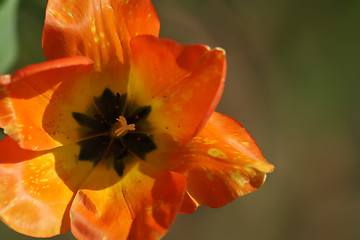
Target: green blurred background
(293, 82)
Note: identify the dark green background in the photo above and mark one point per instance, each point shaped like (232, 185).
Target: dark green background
(293, 82)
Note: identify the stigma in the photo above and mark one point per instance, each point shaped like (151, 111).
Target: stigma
(121, 128)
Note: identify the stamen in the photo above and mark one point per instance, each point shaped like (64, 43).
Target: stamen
(121, 128)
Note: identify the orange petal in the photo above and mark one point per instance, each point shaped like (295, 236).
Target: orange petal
(183, 84)
(37, 188)
(98, 29)
(36, 103)
(140, 205)
(220, 164)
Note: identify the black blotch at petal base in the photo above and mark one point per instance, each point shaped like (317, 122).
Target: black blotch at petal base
(94, 149)
(91, 123)
(139, 143)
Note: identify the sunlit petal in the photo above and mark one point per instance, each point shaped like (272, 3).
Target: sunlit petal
(140, 205)
(183, 84)
(37, 187)
(36, 102)
(220, 164)
(98, 29)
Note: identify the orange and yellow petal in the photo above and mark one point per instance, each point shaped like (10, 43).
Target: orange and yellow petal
(98, 29)
(189, 204)
(183, 84)
(220, 164)
(36, 103)
(141, 204)
(37, 188)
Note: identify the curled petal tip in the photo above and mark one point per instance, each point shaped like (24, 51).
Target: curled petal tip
(220, 50)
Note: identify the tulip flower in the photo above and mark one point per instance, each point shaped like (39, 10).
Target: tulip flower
(116, 133)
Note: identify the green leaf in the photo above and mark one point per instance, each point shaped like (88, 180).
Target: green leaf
(8, 38)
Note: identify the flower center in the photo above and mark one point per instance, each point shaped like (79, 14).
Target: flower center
(108, 129)
(121, 128)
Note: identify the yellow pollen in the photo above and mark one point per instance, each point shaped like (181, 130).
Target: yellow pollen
(121, 128)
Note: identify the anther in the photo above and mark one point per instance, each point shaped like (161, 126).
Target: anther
(121, 128)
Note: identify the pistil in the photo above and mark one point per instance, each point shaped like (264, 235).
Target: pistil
(121, 128)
